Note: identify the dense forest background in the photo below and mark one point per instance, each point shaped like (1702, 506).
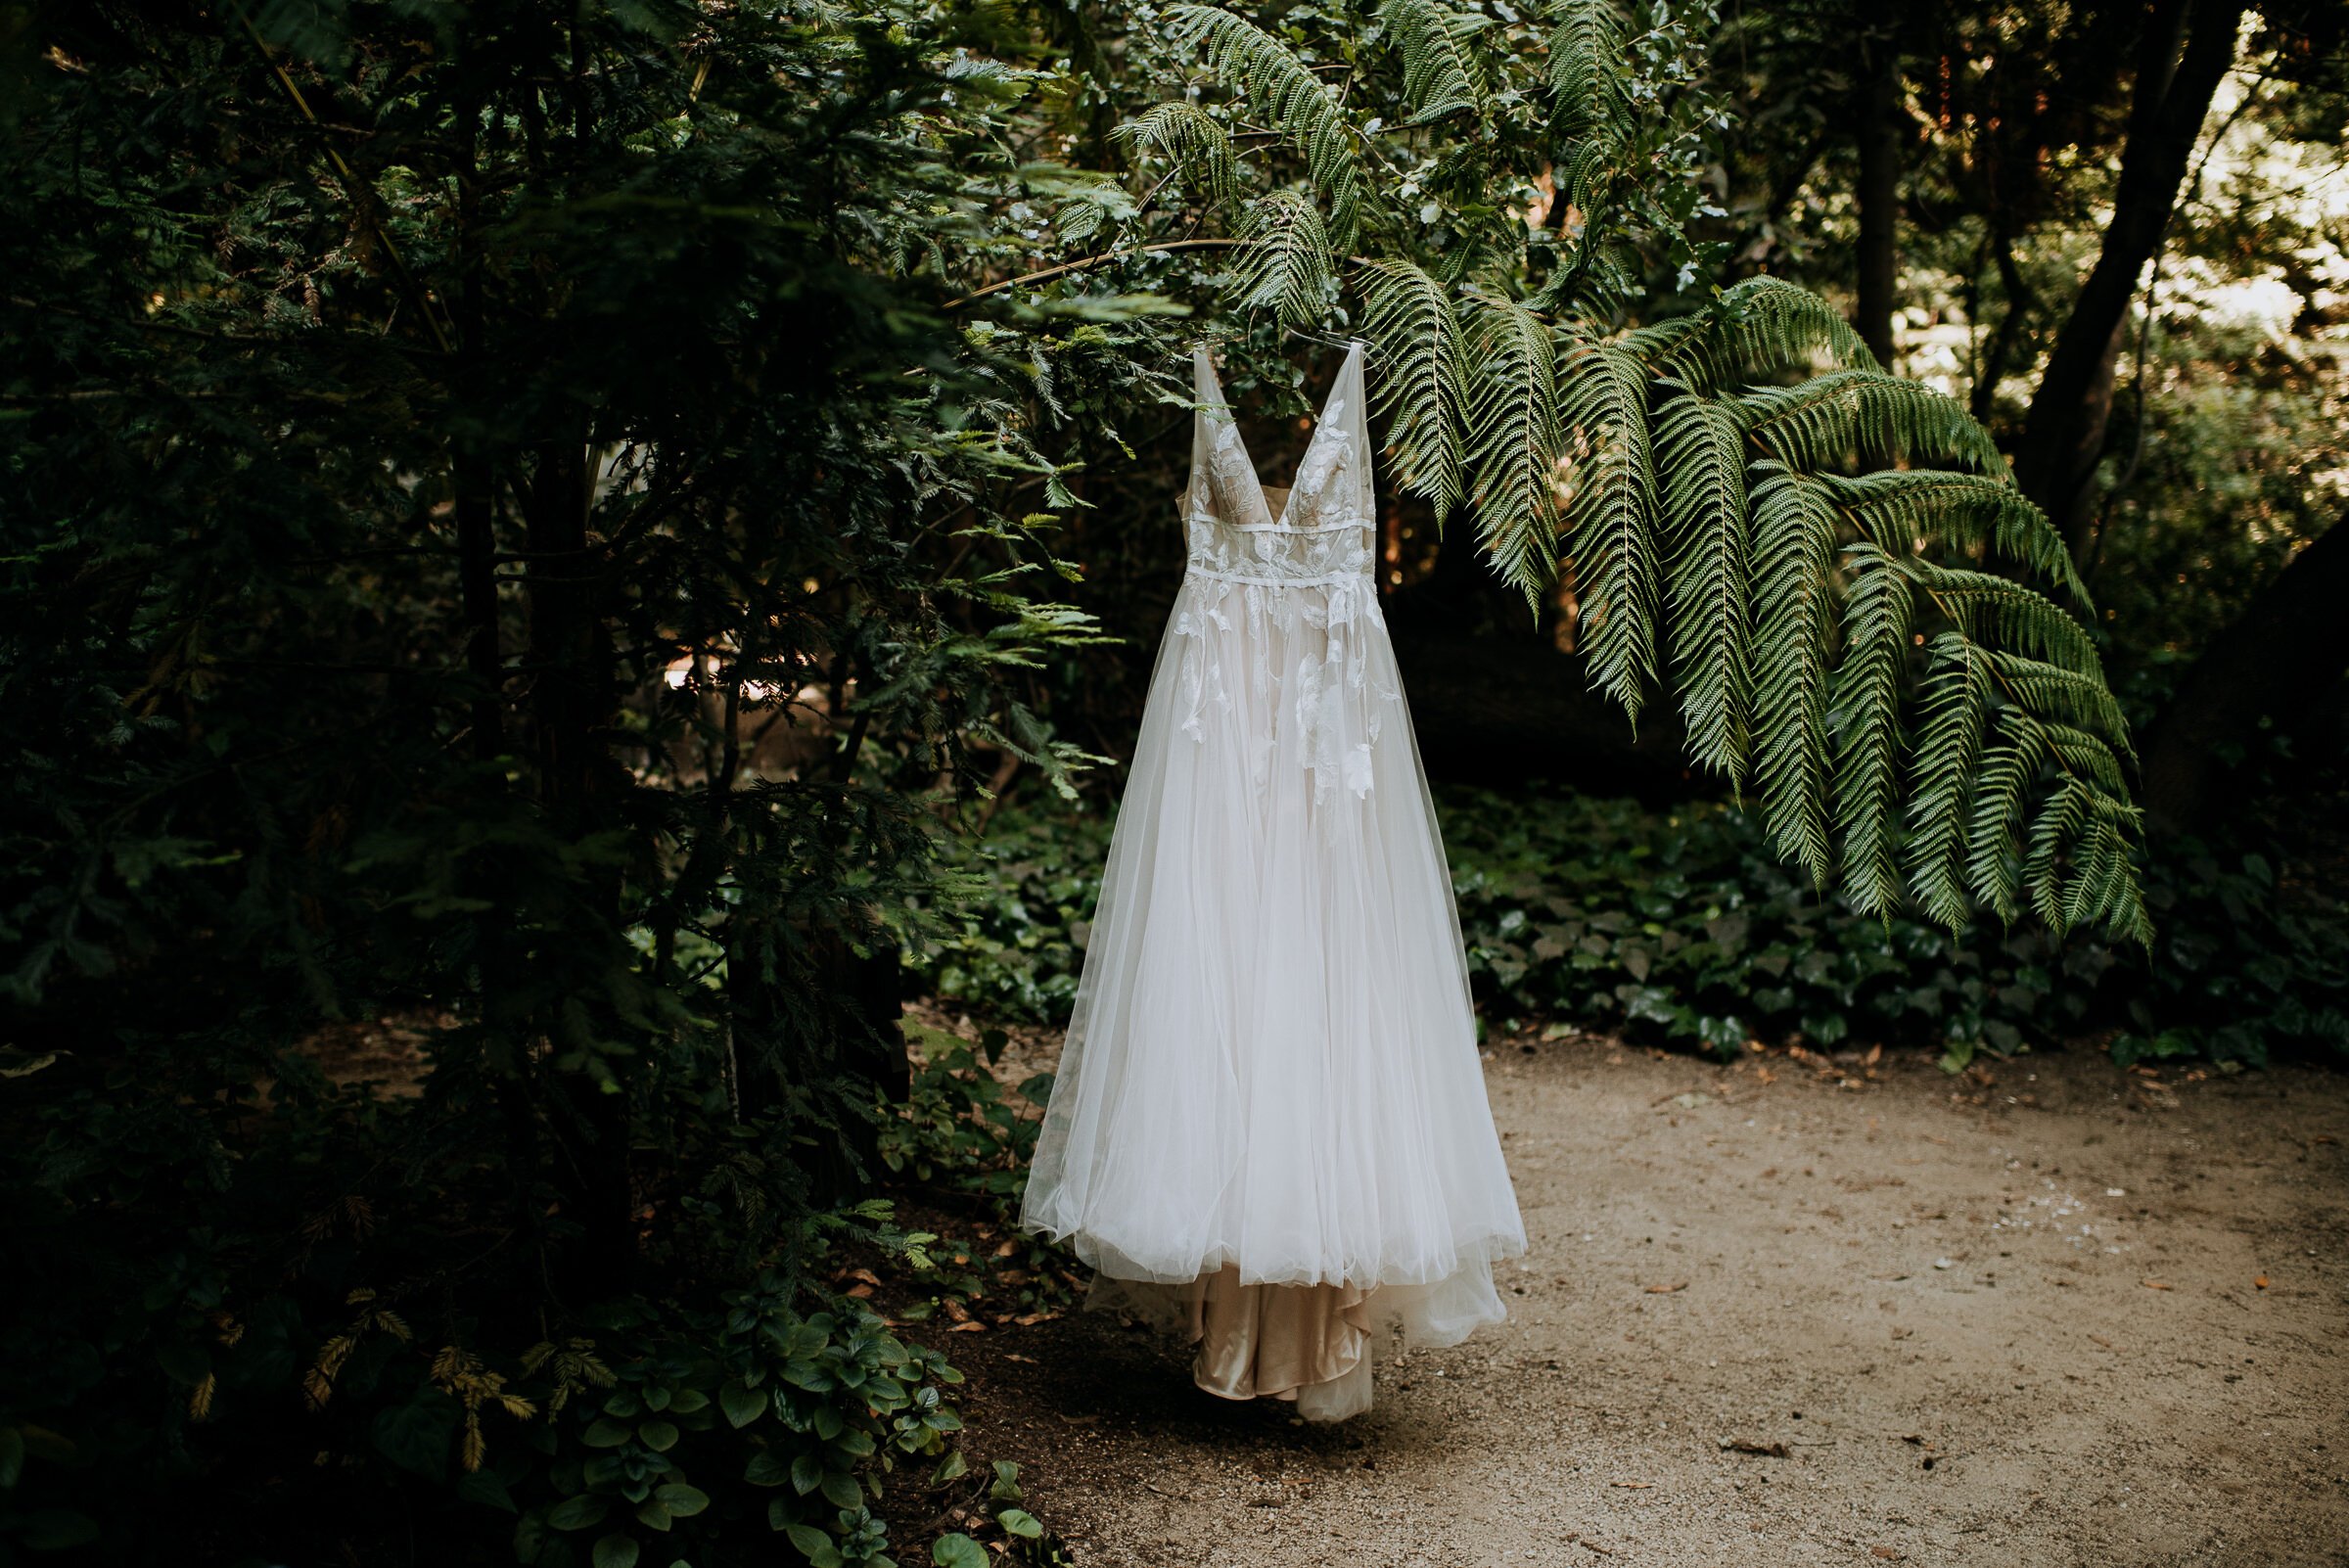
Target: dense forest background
(561, 563)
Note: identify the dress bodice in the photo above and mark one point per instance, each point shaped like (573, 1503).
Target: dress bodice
(1324, 531)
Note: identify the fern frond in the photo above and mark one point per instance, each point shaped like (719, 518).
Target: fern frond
(1994, 852)
(1990, 608)
(1700, 452)
(1585, 48)
(1850, 416)
(1188, 138)
(2053, 692)
(1291, 99)
(1422, 383)
(2090, 757)
(1960, 512)
(1439, 76)
(1956, 699)
(2103, 888)
(1514, 454)
(2061, 816)
(1284, 266)
(1758, 331)
(1794, 553)
(1864, 717)
(1611, 530)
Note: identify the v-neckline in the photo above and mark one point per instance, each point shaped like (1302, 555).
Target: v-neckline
(1288, 495)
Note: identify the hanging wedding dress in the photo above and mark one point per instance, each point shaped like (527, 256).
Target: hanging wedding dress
(1269, 1129)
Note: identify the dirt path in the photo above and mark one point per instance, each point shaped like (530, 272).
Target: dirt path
(2011, 1323)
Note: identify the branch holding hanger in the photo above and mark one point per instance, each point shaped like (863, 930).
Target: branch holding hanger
(1089, 262)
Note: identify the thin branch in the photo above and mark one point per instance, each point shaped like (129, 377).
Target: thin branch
(1089, 262)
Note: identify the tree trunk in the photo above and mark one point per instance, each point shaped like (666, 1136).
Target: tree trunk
(2189, 46)
(2279, 660)
(571, 712)
(1875, 132)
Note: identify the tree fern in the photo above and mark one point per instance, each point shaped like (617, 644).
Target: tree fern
(1865, 416)
(1612, 526)
(1439, 75)
(1974, 514)
(1866, 721)
(2009, 770)
(1291, 99)
(1585, 47)
(1284, 267)
(1188, 139)
(1701, 453)
(1418, 386)
(1794, 551)
(1992, 608)
(1958, 698)
(1513, 441)
(1758, 331)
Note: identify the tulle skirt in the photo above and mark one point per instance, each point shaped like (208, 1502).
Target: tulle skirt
(1270, 1080)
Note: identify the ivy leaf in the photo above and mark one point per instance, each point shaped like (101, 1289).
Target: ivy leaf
(615, 1551)
(1021, 1523)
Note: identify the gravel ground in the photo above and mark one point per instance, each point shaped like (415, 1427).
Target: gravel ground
(1793, 1311)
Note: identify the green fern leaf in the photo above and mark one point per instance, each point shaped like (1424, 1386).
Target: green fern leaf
(1701, 453)
(1585, 54)
(1853, 416)
(1514, 451)
(1794, 554)
(1758, 331)
(1439, 75)
(1421, 384)
(2010, 770)
(1991, 608)
(1967, 514)
(2053, 692)
(1290, 98)
(1956, 700)
(1612, 520)
(1284, 266)
(1189, 139)
(1864, 717)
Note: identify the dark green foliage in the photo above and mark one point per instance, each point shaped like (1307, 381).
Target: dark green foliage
(499, 584)
(1689, 928)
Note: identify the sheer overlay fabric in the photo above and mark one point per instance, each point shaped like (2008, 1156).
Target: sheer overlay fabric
(1269, 1129)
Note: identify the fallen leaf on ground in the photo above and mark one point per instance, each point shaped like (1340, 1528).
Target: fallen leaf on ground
(2102, 1340)
(2155, 1284)
(859, 1292)
(1884, 1551)
(1007, 1249)
(2260, 1283)
(1014, 1356)
(865, 1274)
(974, 1326)
(1666, 1290)
(1768, 1450)
(956, 1311)
(1635, 1485)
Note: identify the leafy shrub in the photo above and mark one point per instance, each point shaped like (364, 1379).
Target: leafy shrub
(1687, 928)
(1016, 944)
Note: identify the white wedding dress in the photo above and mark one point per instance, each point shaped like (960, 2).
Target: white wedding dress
(1269, 1130)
